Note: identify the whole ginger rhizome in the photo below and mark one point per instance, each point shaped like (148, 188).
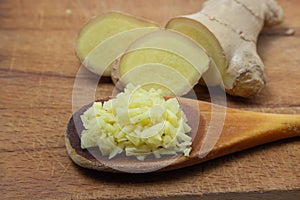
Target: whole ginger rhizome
(138, 122)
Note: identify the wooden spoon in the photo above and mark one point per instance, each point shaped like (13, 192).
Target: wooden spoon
(241, 130)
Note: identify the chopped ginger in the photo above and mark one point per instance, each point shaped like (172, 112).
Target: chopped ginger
(138, 122)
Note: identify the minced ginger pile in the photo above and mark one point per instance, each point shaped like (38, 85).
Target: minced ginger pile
(138, 122)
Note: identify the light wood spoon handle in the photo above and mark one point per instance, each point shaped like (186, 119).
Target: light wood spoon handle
(241, 130)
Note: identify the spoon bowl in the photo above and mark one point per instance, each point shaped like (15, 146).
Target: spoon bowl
(240, 130)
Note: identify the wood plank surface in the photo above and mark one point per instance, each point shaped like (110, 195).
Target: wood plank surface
(37, 72)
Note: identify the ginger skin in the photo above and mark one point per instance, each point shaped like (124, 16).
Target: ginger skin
(232, 27)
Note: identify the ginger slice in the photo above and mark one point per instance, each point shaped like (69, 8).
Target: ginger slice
(105, 37)
(163, 59)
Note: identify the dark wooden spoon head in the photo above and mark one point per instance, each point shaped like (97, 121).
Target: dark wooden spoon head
(92, 158)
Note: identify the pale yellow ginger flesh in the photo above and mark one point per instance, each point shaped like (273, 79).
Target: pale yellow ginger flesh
(104, 38)
(162, 59)
(137, 122)
(228, 30)
(224, 31)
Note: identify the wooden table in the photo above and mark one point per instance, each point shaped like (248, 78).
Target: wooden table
(38, 68)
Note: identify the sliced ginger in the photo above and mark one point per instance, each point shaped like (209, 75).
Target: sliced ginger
(203, 36)
(105, 37)
(162, 59)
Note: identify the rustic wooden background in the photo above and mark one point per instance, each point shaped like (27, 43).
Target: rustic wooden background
(38, 68)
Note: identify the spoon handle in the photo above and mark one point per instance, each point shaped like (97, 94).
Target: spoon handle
(245, 129)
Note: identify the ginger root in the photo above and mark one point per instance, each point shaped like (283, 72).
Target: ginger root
(220, 47)
(228, 31)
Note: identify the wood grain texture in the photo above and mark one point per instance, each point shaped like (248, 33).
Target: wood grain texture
(38, 68)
